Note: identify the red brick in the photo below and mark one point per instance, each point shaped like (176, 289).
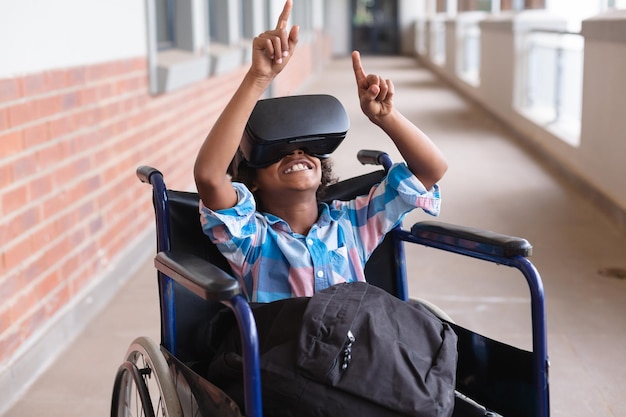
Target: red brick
(35, 135)
(19, 225)
(47, 232)
(105, 91)
(33, 84)
(58, 299)
(70, 100)
(49, 106)
(81, 142)
(85, 118)
(10, 283)
(6, 175)
(32, 321)
(138, 64)
(92, 185)
(101, 71)
(49, 156)
(56, 79)
(9, 90)
(40, 187)
(65, 222)
(82, 165)
(14, 199)
(88, 96)
(77, 237)
(16, 254)
(12, 143)
(76, 76)
(58, 250)
(22, 113)
(63, 175)
(57, 202)
(69, 266)
(33, 270)
(23, 303)
(125, 66)
(127, 85)
(60, 127)
(95, 225)
(5, 320)
(24, 166)
(121, 126)
(4, 118)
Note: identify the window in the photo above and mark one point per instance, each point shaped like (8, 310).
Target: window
(164, 23)
(173, 60)
(225, 31)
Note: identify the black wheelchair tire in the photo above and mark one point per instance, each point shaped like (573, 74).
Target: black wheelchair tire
(144, 386)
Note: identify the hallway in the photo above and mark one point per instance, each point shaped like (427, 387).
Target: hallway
(493, 183)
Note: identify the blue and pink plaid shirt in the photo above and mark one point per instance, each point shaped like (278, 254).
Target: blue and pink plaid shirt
(272, 262)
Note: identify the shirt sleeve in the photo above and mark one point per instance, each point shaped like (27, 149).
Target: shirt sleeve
(374, 215)
(234, 229)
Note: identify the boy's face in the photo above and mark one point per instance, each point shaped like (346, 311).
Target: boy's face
(297, 171)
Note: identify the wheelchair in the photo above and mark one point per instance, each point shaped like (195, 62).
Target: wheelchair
(195, 283)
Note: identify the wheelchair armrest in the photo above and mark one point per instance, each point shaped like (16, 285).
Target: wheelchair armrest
(471, 239)
(197, 275)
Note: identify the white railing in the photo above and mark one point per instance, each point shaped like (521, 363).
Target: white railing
(553, 80)
(438, 41)
(469, 66)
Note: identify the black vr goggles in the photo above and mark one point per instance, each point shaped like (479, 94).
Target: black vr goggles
(278, 126)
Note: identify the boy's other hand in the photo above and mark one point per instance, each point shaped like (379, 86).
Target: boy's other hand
(273, 49)
(375, 93)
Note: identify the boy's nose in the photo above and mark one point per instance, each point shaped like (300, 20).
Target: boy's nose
(297, 152)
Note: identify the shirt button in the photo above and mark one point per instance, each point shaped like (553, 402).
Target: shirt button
(309, 241)
(320, 274)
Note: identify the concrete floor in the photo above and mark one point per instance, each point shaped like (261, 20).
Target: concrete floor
(492, 183)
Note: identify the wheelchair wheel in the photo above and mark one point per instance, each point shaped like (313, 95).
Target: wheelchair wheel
(143, 385)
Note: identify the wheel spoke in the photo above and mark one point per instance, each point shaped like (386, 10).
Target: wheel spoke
(141, 383)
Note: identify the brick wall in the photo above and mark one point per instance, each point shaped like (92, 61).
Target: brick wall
(70, 203)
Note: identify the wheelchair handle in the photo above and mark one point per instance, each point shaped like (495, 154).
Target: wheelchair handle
(144, 173)
(374, 157)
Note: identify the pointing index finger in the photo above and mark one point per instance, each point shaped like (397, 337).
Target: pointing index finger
(359, 73)
(284, 15)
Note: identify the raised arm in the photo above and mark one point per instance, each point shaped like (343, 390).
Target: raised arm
(422, 156)
(272, 50)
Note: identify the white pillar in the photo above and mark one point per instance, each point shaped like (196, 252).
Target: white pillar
(496, 6)
(452, 8)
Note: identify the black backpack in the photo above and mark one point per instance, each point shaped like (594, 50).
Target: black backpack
(350, 350)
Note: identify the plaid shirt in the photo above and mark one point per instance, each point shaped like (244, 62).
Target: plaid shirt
(272, 262)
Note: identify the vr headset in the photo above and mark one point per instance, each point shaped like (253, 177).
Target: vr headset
(317, 124)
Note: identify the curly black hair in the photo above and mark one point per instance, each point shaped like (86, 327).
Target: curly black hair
(241, 172)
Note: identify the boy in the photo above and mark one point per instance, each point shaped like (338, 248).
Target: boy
(296, 246)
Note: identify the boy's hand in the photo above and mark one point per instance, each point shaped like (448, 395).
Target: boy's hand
(273, 49)
(375, 93)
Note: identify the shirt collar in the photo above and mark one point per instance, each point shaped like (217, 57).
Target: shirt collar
(327, 215)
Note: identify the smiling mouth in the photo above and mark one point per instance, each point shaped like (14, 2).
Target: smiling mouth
(297, 167)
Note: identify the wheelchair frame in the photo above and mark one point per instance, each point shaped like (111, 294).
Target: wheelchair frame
(213, 284)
